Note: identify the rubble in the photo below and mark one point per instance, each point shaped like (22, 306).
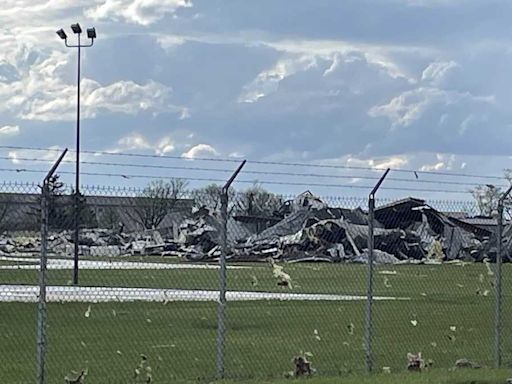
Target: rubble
(305, 229)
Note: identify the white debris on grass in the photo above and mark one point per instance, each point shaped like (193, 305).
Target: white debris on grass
(283, 279)
(488, 266)
(62, 264)
(29, 294)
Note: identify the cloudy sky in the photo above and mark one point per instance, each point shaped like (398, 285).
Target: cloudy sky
(411, 84)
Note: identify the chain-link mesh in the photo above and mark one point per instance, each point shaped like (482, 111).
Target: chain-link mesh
(146, 303)
(434, 260)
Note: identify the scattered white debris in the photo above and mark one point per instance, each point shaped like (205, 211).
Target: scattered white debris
(387, 272)
(453, 328)
(414, 323)
(29, 294)
(88, 312)
(488, 266)
(283, 279)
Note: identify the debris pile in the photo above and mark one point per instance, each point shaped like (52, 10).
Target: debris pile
(304, 229)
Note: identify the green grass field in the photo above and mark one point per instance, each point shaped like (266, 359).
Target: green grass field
(445, 319)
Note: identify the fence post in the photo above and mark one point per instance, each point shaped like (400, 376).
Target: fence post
(369, 294)
(499, 262)
(221, 325)
(41, 306)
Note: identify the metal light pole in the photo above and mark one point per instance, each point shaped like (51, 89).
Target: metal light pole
(91, 34)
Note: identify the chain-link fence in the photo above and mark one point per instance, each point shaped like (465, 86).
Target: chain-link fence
(176, 284)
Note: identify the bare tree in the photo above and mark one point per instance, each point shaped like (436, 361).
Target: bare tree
(210, 197)
(257, 201)
(157, 200)
(109, 218)
(487, 196)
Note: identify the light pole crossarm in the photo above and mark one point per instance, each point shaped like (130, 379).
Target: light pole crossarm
(79, 45)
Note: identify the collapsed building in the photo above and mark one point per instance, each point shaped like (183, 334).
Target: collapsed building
(304, 229)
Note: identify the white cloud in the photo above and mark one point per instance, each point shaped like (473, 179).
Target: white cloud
(143, 12)
(410, 105)
(185, 114)
(443, 162)
(133, 141)
(9, 130)
(396, 162)
(137, 141)
(38, 92)
(267, 82)
(303, 55)
(164, 145)
(200, 150)
(129, 97)
(170, 42)
(437, 70)
(50, 155)
(378, 55)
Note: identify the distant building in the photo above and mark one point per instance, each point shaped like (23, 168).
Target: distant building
(20, 211)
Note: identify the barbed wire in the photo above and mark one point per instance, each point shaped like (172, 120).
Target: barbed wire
(268, 182)
(261, 162)
(295, 174)
(252, 172)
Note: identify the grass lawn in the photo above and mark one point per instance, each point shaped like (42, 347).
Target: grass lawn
(445, 319)
(435, 376)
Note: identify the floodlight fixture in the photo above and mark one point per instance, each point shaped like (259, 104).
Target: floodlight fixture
(91, 33)
(62, 34)
(76, 28)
